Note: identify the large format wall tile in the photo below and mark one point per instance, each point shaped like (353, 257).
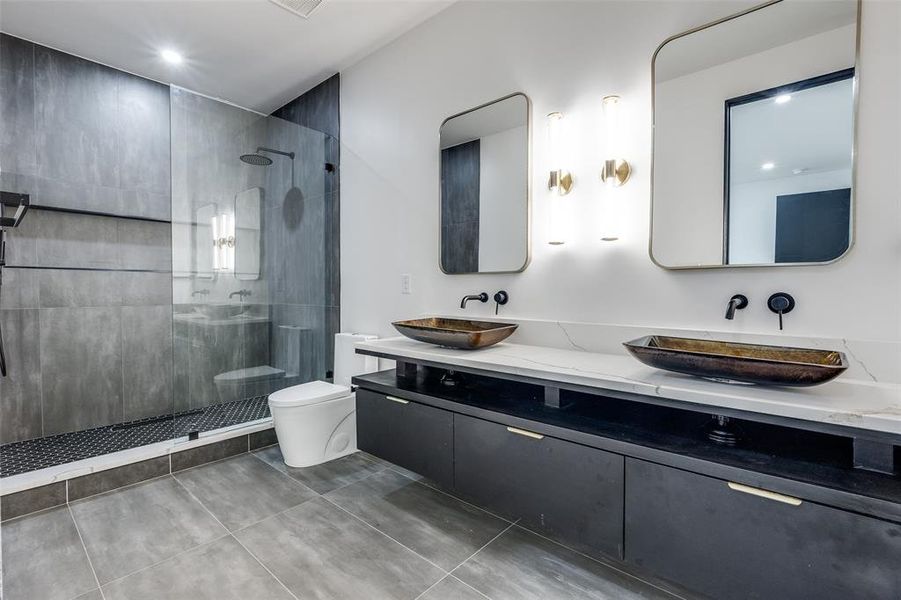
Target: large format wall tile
(17, 153)
(143, 139)
(146, 361)
(20, 418)
(75, 108)
(20, 289)
(81, 135)
(81, 354)
(65, 240)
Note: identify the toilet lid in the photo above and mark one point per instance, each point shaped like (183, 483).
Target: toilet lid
(306, 394)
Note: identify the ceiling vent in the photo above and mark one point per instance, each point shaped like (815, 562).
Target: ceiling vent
(303, 8)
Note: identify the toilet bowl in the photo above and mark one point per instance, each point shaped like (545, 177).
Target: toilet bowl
(316, 422)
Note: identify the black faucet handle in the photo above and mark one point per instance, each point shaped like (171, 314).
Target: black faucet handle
(736, 302)
(781, 303)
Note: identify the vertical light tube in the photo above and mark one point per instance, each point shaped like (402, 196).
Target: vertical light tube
(229, 246)
(609, 226)
(557, 185)
(214, 227)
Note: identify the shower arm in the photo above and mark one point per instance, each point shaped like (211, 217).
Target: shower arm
(274, 151)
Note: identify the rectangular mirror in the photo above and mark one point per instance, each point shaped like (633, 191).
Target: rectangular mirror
(204, 242)
(754, 121)
(485, 188)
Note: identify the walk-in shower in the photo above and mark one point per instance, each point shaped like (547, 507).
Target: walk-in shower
(163, 301)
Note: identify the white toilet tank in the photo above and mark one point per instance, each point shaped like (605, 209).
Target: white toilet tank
(315, 422)
(347, 362)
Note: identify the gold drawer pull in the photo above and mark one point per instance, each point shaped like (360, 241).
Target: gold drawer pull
(398, 400)
(523, 432)
(746, 489)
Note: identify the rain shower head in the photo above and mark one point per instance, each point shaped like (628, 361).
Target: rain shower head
(259, 160)
(256, 159)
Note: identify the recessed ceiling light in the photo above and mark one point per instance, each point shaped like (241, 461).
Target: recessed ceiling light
(171, 56)
(783, 98)
(767, 166)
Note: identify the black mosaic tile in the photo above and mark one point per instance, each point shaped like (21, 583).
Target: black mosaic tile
(40, 453)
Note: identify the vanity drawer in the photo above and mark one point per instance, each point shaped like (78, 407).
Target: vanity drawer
(733, 542)
(411, 435)
(563, 490)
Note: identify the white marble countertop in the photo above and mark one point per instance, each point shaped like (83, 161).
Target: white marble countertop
(845, 402)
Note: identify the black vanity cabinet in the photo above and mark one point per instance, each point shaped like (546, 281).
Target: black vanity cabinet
(728, 543)
(408, 434)
(563, 490)
(784, 515)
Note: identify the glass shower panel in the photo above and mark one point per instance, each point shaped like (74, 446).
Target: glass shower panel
(248, 244)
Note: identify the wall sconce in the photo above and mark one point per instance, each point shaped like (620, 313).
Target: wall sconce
(223, 227)
(559, 179)
(615, 171)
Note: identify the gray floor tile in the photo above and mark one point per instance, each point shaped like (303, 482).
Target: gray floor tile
(441, 528)
(321, 552)
(221, 570)
(328, 476)
(44, 558)
(451, 588)
(520, 565)
(243, 490)
(135, 527)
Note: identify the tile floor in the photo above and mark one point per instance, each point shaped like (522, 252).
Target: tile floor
(250, 528)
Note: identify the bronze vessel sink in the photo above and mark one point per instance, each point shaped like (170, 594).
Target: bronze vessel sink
(739, 363)
(455, 333)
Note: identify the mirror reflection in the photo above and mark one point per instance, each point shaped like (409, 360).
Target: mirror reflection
(753, 143)
(485, 188)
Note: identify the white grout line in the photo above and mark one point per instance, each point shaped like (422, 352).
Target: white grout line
(604, 563)
(429, 589)
(488, 543)
(167, 559)
(86, 553)
(329, 500)
(246, 549)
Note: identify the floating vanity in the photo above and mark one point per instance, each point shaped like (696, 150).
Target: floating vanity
(611, 457)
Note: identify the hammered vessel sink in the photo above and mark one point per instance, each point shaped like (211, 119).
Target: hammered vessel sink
(732, 362)
(455, 333)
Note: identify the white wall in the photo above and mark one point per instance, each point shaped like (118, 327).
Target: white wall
(567, 56)
(503, 221)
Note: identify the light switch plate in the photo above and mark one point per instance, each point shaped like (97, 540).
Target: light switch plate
(406, 284)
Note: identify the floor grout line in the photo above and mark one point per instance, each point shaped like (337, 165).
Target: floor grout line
(373, 527)
(86, 553)
(429, 589)
(165, 560)
(603, 563)
(246, 549)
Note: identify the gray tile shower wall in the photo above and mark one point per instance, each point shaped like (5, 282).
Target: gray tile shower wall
(86, 302)
(317, 110)
(79, 135)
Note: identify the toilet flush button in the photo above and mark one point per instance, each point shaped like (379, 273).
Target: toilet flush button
(406, 284)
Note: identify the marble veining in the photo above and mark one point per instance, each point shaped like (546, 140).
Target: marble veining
(845, 401)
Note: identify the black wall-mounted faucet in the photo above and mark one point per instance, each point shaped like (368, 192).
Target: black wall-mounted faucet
(736, 302)
(500, 298)
(781, 303)
(483, 297)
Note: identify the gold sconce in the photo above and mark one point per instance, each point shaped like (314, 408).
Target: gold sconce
(559, 178)
(615, 171)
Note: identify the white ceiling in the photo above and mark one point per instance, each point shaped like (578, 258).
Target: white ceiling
(250, 52)
(814, 132)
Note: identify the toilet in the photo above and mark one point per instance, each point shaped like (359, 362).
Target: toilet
(315, 422)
